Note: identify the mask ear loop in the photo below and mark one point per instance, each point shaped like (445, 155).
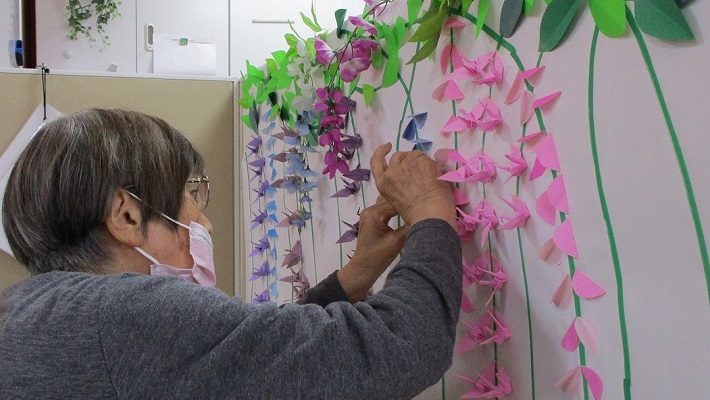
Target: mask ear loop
(165, 216)
(146, 255)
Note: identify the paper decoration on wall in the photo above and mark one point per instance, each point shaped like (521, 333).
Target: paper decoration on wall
(317, 92)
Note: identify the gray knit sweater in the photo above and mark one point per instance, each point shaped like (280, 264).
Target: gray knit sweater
(80, 336)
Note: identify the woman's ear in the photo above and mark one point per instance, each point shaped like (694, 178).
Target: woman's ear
(124, 222)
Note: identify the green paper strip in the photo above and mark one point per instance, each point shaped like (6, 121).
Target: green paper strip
(609, 16)
(556, 21)
(368, 93)
(680, 158)
(662, 19)
(607, 221)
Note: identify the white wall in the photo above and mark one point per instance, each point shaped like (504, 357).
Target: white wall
(9, 31)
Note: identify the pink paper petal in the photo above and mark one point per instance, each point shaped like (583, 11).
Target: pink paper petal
(594, 381)
(545, 209)
(526, 107)
(447, 91)
(586, 334)
(571, 381)
(454, 22)
(530, 139)
(557, 194)
(455, 124)
(550, 253)
(585, 287)
(453, 176)
(466, 305)
(570, 341)
(547, 153)
(446, 55)
(537, 170)
(533, 75)
(564, 239)
(545, 103)
(563, 295)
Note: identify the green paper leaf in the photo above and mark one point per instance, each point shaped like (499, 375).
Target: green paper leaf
(426, 50)
(313, 13)
(482, 14)
(309, 23)
(465, 5)
(510, 16)
(254, 116)
(429, 27)
(284, 113)
(662, 19)
(609, 15)
(529, 6)
(353, 85)
(246, 121)
(413, 8)
(339, 20)
(255, 72)
(556, 21)
(311, 47)
(376, 57)
(399, 29)
(389, 77)
(291, 39)
(368, 93)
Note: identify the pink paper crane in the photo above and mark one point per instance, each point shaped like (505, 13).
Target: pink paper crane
(480, 168)
(485, 115)
(485, 386)
(490, 328)
(480, 273)
(484, 70)
(520, 218)
(517, 165)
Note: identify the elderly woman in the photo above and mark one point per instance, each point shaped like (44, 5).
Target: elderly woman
(104, 208)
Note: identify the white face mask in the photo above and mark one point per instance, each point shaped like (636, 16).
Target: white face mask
(202, 272)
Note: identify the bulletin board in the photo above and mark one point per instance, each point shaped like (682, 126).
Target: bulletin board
(203, 110)
(587, 262)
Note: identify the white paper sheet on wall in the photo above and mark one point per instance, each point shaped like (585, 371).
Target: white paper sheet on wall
(13, 151)
(183, 55)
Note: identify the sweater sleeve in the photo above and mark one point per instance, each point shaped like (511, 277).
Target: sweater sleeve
(166, 338)
(325, 292)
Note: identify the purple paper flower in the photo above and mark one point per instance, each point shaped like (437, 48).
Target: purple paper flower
(334, 163)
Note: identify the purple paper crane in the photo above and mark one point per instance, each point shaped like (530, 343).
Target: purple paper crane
(260, 247)
(254, 144)
(351, 188)
(350, 234)
(299, 281)
(258, 219)
(293, 256)
(263, 271)
(359, 174)
(264, 297)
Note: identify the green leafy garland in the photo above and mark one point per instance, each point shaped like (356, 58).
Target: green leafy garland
(78, 13)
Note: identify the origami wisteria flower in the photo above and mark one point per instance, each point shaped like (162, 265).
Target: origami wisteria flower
(517, 165)
(362, 24)
(260, 247)
(293, 256)
(490, 328)
(480, 168)
(355, 58)
(486, 271)
(483, 216)
(351, 188)
(262, 271)
(263, 297)
(334, 163)
(484, 70)
(299, 281)
(492, 383)
(350, 234)
(517, 220)
(254, 144)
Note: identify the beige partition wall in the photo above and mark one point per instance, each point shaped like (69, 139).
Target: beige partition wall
(202, 109)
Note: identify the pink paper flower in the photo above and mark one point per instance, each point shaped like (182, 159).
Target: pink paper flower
(324, 54)
(362, 24)
(334, 163)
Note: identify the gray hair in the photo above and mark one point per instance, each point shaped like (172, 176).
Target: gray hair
(59, 193)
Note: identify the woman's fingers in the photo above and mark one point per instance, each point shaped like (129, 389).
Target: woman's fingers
(378, 164)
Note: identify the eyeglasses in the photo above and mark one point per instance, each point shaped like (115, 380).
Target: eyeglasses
(199, 189)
